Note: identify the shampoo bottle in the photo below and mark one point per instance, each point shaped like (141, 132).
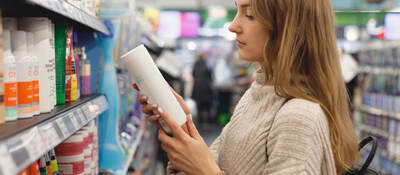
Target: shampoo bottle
(35, 75)
(10, 79)
(24, 73)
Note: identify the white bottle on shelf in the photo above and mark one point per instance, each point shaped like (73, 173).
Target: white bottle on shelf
(53, 61)
(43, 48)
(35, 74)
(24, 73)
(10, 79)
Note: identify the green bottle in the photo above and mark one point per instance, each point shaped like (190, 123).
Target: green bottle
(60, 39)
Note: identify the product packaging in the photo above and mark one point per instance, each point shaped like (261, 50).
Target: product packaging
(85, 73)
(24, 73)
(68, 65)
(10, 79)
(43, 48)
(151, 83)
(35, 74)
(60, 51)
(70, 155)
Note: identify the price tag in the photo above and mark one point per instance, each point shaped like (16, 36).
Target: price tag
(68, 123)
(6, 164)
(49, 134)
(81, 115)
(62, 127)
(78, 118)
(74, 121)
(86, 111)
(33, 143)
(58, 130)
(18, 152)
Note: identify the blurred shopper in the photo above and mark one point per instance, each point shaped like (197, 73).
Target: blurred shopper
(294, 119)
(349, 70)
(202, 89)
(223, 84)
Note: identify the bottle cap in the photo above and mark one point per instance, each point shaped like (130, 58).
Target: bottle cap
(18, 41)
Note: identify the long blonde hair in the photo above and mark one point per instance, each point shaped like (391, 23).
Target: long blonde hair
(300, 57)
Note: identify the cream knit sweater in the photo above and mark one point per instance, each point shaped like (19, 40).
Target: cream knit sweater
(298, 142)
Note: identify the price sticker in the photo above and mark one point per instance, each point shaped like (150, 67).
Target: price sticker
(81, 115)
(78, 118)
(68, 123)
(74, 121)
(18, 152)
(63, 127)
(49, 134)
(6, 163)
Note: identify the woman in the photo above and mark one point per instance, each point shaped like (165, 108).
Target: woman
(293, 41)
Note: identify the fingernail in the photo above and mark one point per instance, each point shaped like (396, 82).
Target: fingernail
(154, 105)
(155, 111)
(190, 116)
(160, 111)
(157, 115)
(144, 97)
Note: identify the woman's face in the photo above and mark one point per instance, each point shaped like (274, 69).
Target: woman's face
(250, 34)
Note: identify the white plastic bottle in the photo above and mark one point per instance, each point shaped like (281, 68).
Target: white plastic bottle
(10, 79)
(53, 61)
(24, 73)
(35, 75)
(43, 48)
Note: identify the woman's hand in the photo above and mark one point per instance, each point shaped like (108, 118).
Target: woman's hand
(151, 109)
(187, 151)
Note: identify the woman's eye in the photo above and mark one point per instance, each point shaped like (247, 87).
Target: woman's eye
(250, 17)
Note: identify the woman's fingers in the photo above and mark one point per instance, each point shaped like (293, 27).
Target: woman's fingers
(176, 130)
(149, 109)
(166, 140)
(143, 99)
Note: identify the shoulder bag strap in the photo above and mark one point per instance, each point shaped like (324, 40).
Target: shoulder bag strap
(272, 124)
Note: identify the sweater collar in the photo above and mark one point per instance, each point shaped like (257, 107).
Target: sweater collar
(260, 89)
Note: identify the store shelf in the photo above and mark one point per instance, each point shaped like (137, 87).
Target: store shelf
(379, 132)
(132, 151)
(379, 70)
(376, 111)
(66, 9)
(59, 10)
(24, 141)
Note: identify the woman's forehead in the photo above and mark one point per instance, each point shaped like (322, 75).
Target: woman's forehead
(240, 3)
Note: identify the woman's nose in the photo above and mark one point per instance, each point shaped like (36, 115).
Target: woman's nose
(235, 27)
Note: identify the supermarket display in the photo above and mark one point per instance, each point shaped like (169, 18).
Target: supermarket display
(377, 101)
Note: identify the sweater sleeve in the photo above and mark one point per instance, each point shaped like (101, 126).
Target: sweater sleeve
(293, 145)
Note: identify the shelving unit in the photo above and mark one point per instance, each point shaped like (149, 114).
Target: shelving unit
(376, 111)
(59, 9)
(24, 141)
(379, 70)
(377, 101)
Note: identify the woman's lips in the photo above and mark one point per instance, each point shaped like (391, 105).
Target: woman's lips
(240, 44)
